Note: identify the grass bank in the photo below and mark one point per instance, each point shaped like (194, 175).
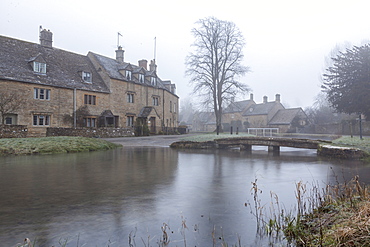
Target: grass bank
(50, 145)
(355, 141)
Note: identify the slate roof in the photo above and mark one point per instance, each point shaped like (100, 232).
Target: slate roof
(113, 67)
(238, 106)
(63, 68)
(260, 109)
(285, 116)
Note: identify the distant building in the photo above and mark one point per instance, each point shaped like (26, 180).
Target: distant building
(246, 114)
(55, 84)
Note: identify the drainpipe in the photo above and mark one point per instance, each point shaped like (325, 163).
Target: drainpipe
(74, 108)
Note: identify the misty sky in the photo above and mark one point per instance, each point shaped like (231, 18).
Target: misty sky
(287, 40)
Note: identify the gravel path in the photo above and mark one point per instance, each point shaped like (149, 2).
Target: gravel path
(148, 141)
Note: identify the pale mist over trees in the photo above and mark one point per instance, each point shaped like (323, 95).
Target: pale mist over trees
(215, 64)
(347, 81)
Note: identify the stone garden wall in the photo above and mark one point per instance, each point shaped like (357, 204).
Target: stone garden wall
(13, 131)
(90, 132)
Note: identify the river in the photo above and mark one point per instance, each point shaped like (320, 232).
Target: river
(133, 195)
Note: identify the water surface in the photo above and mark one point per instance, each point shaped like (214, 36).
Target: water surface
(122, 196)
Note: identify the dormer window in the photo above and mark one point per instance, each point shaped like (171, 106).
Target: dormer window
(128, 75)
(86, 77)
(39, 67)
(153, 81)
(141, 78)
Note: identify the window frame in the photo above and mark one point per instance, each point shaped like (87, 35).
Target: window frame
(130, 98)
(41, 93)
(130, 120)
(141, 78)
(155, 100)
(89, 99)
(87, 77)
(89, 122)
(128, 75)
(153, 81)
(39, 67)
(41, 120)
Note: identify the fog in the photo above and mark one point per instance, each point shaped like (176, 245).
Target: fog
(286, 41)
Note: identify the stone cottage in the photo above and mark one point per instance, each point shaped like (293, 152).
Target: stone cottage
(59, 88)
(268, 114)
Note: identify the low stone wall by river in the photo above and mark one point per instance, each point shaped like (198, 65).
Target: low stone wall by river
(13, 131)
(90, 132)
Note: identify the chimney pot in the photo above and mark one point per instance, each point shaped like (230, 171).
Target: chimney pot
(46, 38)
(120, 54)
(264, 99)
(153, 66)
(251, 96)
(143, 63)
(277, 98)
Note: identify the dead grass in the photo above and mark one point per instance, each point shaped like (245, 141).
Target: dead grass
(343, 219)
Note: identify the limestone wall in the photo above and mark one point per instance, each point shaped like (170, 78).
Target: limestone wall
(13, 131)
(90, 132)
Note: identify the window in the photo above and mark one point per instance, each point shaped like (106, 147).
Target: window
(128, 75)
(89, 99)
(39, 67)
(170, 106)
(86, 76)
(41, 93)
(8, 120)
(130, 121)
(141, 78)
(90, 122)
(153, 81)
(155, 101)
(130, 98)
(41, 120)
(174, 107)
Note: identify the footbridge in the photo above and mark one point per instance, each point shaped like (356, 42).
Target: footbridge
(246, 143)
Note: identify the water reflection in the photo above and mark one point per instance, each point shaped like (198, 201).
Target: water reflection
(101, 198)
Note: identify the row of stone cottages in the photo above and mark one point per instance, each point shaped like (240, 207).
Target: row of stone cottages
(247, 114)
(52, 84)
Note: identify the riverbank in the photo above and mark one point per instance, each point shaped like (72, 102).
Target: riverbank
(51, 145)
(341, 219)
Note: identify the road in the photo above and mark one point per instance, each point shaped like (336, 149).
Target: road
(148, 141)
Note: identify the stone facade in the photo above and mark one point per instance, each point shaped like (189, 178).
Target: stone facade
(64, 89)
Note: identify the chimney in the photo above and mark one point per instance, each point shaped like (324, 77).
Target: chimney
(251, 96)
(277, 98)
(153, 66)
(143, 63)
(120, 54)
(46, 38)
(264, 99)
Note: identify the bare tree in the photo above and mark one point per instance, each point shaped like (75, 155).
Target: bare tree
(10, 103)
(215, 64)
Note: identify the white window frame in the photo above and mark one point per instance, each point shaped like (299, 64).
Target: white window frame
(153, 81)
(41, 93)
(86, 77)
(128, 75)
(39, 67)
(40, 120)
(141, 78)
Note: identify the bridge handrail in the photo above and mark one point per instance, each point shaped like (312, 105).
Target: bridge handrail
(270, 130)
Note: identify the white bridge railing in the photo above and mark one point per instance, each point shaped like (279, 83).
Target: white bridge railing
(263, 131)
